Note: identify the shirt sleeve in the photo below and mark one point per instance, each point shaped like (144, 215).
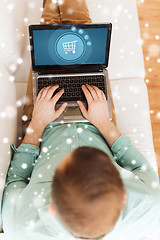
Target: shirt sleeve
(22, 163)
(127, 156)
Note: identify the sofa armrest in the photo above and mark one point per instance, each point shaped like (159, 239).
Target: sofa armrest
(8, 123)
(130, 98)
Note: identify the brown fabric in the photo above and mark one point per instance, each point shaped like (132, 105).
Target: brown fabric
(71, 11)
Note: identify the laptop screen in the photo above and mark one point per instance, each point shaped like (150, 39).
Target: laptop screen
(70, 45)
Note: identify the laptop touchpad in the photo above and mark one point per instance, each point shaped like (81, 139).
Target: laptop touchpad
(72, 112)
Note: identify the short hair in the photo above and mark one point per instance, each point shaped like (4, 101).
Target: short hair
(88, 194)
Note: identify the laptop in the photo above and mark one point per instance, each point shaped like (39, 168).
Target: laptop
(71, 55)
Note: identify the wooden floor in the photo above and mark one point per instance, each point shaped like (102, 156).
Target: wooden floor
(149, 18)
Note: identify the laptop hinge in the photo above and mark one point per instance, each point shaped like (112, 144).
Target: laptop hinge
(70, 71)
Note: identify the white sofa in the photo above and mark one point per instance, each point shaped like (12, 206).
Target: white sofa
(126, 71)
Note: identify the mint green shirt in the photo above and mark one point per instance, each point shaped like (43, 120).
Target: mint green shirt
(27, 195)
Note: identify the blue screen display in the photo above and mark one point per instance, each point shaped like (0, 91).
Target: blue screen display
(70, 46)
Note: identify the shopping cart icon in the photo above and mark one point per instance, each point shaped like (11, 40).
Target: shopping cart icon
(70, 47)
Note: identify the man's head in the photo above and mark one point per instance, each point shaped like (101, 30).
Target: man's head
(87, 192)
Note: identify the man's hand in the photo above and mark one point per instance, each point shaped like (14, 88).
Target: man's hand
(44, 109)
(43, 113)
(98, 113)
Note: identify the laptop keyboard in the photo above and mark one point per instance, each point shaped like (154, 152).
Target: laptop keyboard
(72, 85)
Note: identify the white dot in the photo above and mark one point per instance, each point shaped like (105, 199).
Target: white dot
(26, 20)
(11, 78)
(79, 130)
(45, 149)
(133, 162)
(19, 103)
(5, 140)
(69, 10)
(152, 111)
(10, 6)
(146, 25)
(86, 37)
(154, 50)
(49, 166)
(154, 184)
(3, 114)
(42, 20)
(24, 118)
(158, 115)
(81, 31)
(60, 2)
(158, 60)
(19, 60)
(73, 29)
(134, 130)
(157, 37)
(90, 139)
(150, 69)
(3, 45)
(135, 105)
(86, 126)
(140, 41)
(40, 140)
(147, 58)
(69, 141)
(31, 5)
(68, 124)
(41, 9)
(39, 175)
(30, 130)
(12, 67)
(144, 168)
(24, 165)
(147, 80)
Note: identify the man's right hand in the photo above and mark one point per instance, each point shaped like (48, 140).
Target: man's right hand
(97, 112)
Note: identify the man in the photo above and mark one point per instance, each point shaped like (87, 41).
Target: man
(79, 180)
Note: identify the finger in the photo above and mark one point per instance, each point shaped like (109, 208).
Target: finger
(98, 91)
(87, 93)
(51, 90)
(92, 91)
(103, 95)
(40, 93)
(44, 92)
(61, 109)
(57, 96)
(82, 108)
